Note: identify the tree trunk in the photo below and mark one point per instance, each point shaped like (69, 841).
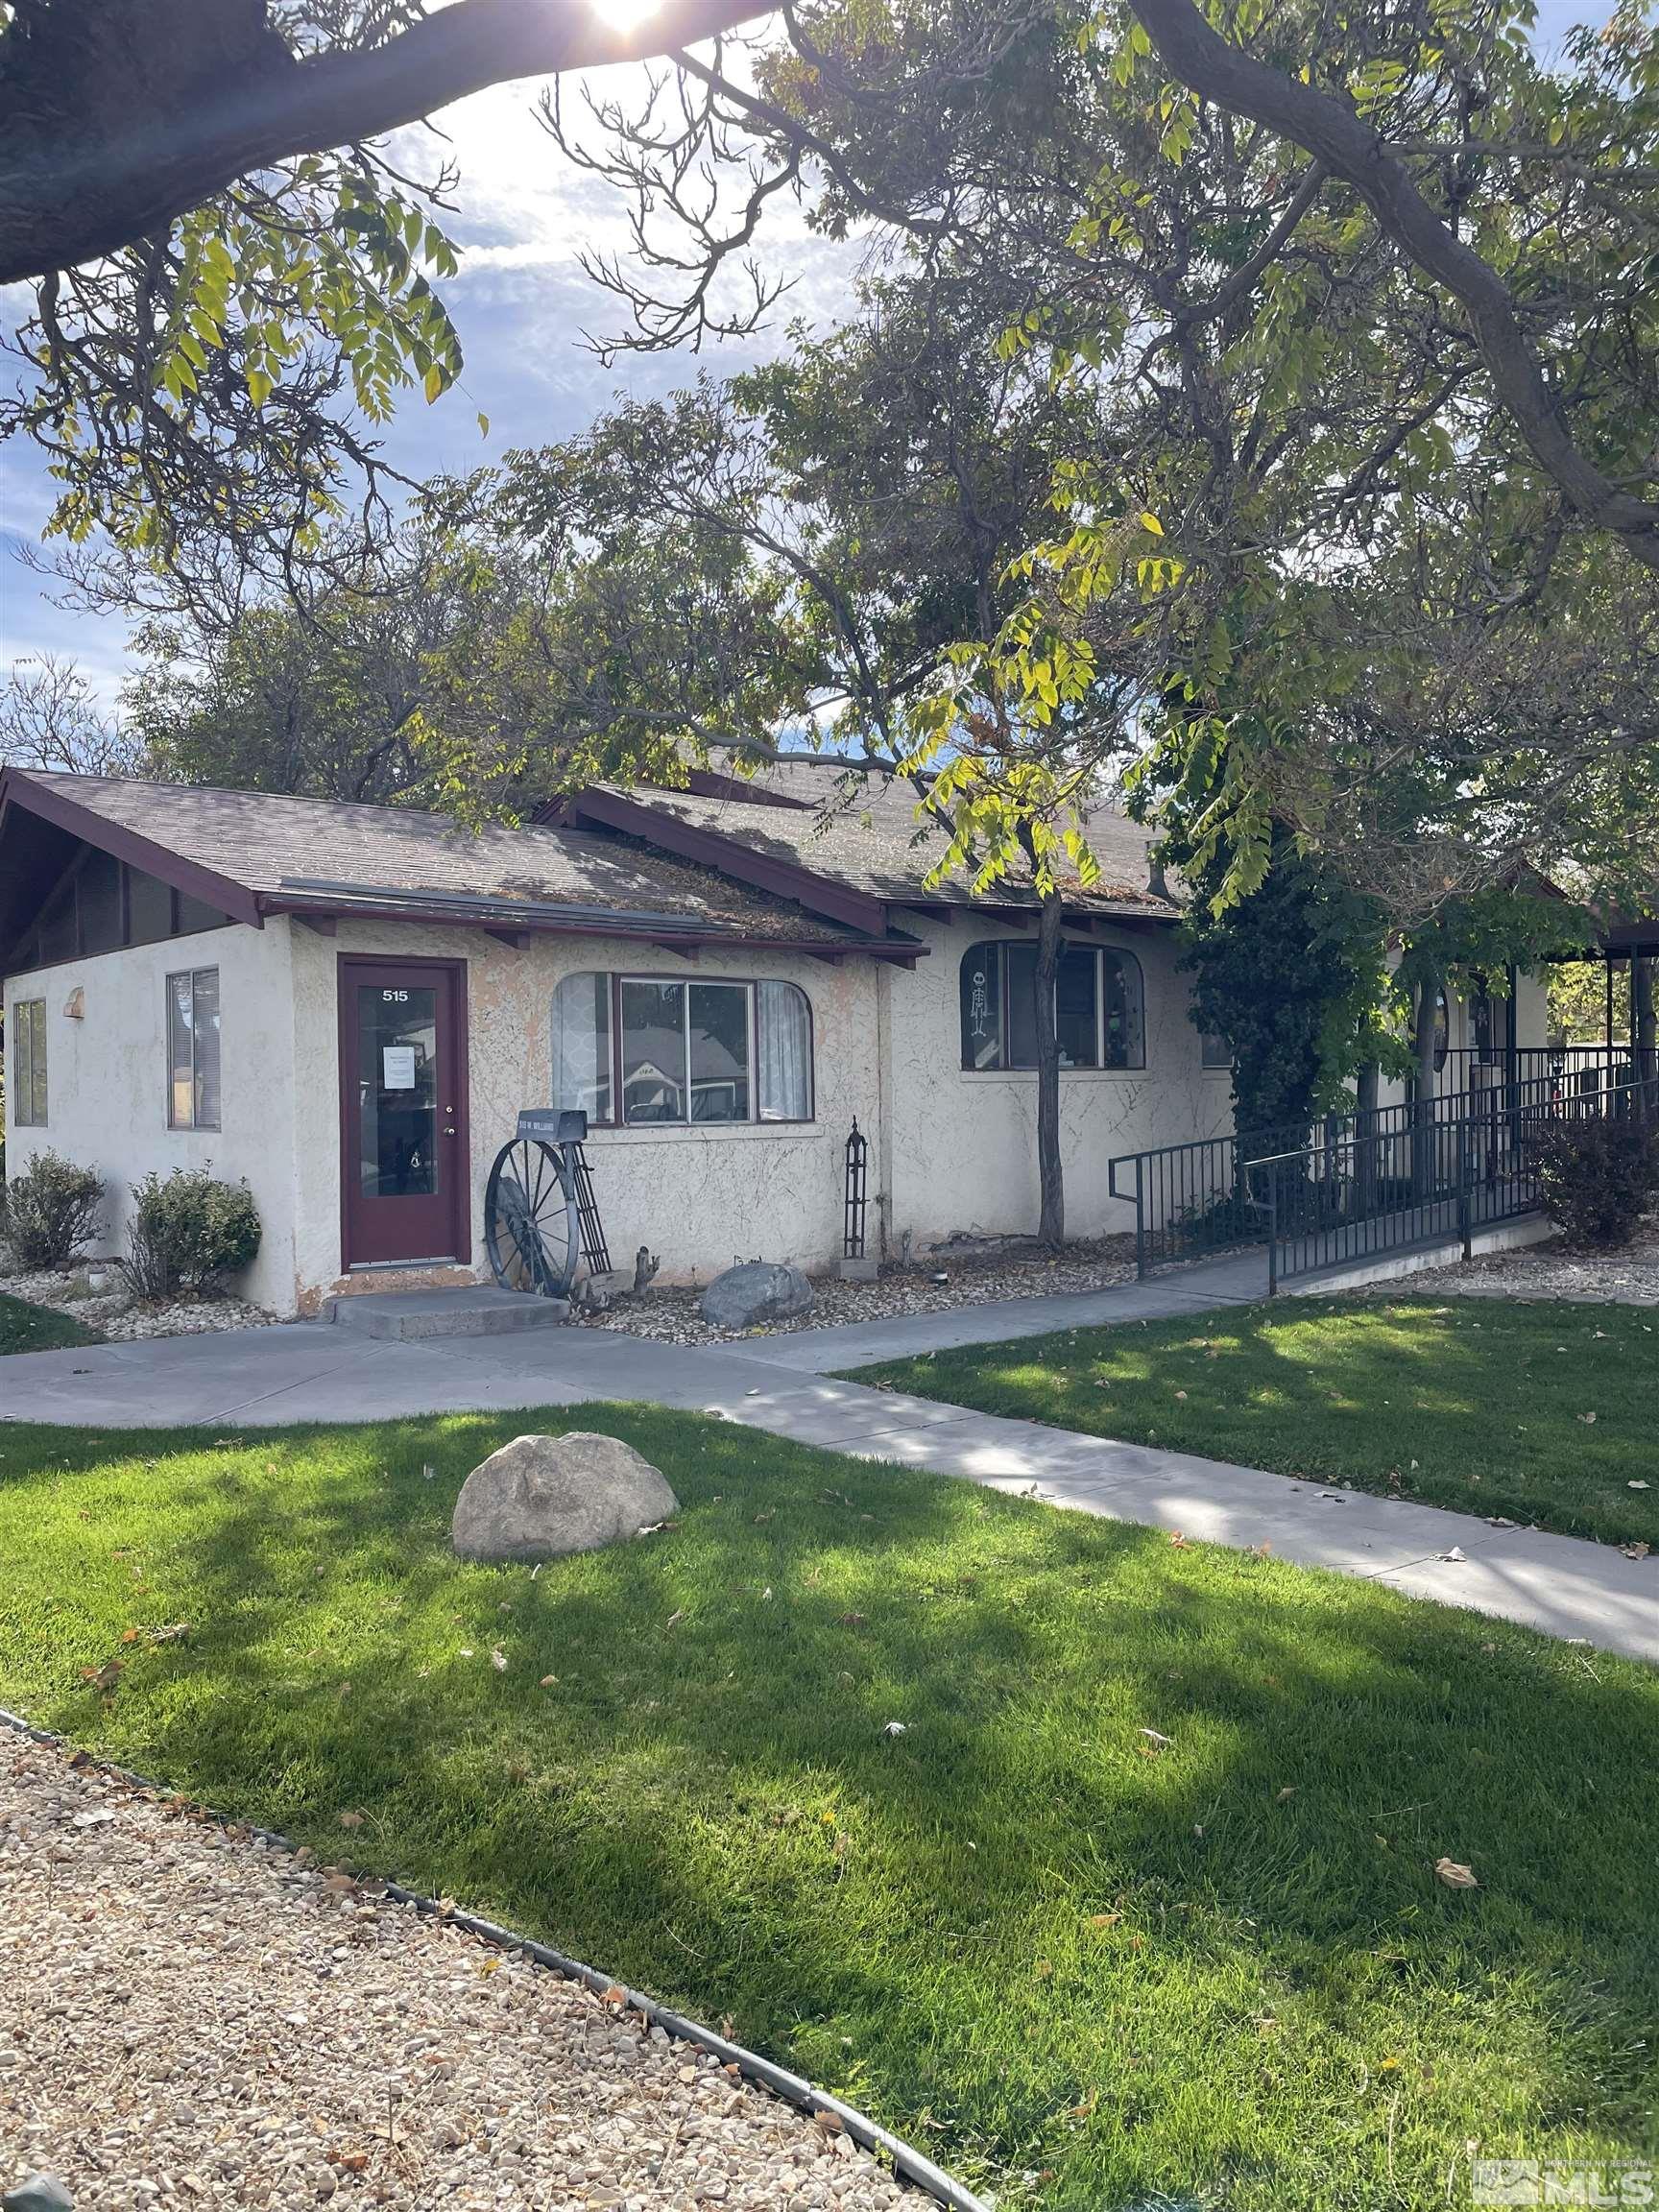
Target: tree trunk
(1645, 1034)
(1423, 1105)
(1050, 1174)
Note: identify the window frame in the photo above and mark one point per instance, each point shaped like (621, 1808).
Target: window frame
(194, 1122)
(1004, 1066)
(21, 1095)
(750, 985)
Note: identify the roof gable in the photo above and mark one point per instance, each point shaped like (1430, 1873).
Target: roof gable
(252, 853)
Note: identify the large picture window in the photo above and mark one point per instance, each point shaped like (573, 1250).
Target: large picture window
(192, 1050)
(28, 1063)
(648, 1050)
(1099, 1010)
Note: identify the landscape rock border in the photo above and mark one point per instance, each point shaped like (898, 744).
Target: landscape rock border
(909, 2163)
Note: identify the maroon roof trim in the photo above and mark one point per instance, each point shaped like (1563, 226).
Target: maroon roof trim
(730, 856)
(18, 788)
(905, 950)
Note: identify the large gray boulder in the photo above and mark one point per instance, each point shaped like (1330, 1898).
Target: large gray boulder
(540, 1497)
(758, 1290)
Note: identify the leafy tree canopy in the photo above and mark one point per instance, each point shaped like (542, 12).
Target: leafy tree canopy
(229, 283)
(1358, 307)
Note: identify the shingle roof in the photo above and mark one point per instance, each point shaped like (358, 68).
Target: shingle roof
(287, 851)
(869, 839)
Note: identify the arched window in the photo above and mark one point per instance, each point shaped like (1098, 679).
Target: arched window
(1099, 1008)
(687, 1052)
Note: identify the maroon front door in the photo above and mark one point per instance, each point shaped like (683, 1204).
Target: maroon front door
(403, 1111)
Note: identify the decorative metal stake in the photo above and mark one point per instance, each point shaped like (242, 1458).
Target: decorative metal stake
(852, 1230)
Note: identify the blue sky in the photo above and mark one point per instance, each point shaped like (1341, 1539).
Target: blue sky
(521, 302)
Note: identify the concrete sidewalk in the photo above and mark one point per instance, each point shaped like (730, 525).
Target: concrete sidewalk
(783, 1384)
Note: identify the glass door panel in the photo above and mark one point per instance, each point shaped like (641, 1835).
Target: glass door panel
(398, 1153)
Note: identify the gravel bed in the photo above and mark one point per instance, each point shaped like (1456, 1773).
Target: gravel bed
(1627, 1278)
(116, 1315)
(971, 1275)
(193, 2016)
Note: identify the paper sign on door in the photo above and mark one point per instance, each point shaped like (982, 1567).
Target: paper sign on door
(397, 1068)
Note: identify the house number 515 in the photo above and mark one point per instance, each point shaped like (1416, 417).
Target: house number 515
(395, 997)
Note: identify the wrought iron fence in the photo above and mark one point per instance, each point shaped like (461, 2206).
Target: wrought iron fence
(1193, 1200)
(1358, 1182)
(1413, 1174)
(1576, 1069)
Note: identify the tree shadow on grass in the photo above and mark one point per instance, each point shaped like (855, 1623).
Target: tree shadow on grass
(1145, 1799)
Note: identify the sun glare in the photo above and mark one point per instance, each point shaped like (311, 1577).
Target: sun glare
(625, 14)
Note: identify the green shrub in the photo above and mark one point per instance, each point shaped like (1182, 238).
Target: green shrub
(1599, 1177)
(49, 1210)
(188, 1233)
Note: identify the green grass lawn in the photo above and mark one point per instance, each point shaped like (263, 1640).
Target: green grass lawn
(1024, 1932)
(26, 1327)
(1546, 1413)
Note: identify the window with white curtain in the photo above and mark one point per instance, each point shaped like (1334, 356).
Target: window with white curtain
(581, 1045)
(785, 1022)
(1099, 1009)
(649, 1051)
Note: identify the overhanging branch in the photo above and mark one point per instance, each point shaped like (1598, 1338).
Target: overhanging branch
(1349, 148)
(81, 190)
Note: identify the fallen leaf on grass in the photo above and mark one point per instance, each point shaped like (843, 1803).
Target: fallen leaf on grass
(351, 1819)
(1178, 1540)
(894, 1728)
(674, 1619)
(1638, 1485)
(1587, 1417)
(498, 1659)
(850, 1620)
(1156, 1737)
(1456, 1875)
(105, 1676)
(548, 1680)
(1104, 1919)
(1289, 1790)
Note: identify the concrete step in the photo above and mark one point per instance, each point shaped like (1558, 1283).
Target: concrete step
(481, 1310)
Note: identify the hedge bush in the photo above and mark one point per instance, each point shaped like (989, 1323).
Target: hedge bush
(188, 1233)
(51, 1209)
(1598, 1178)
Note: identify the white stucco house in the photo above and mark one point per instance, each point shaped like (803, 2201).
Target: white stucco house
(348, 1006)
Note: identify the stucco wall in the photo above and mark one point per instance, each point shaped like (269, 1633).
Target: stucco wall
(961, 1146)
(106, 1080)
(699, 1197)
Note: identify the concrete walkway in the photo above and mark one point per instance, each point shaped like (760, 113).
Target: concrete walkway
(784, 1385)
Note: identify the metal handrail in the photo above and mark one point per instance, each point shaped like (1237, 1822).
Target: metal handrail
(1196, 1198)
(1416, 1170)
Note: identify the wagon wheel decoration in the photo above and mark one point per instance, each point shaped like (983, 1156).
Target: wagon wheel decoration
(530, 1230)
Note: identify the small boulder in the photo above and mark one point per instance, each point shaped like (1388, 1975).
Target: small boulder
(40, 2193)
(757, 1290)
(540, 1497)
